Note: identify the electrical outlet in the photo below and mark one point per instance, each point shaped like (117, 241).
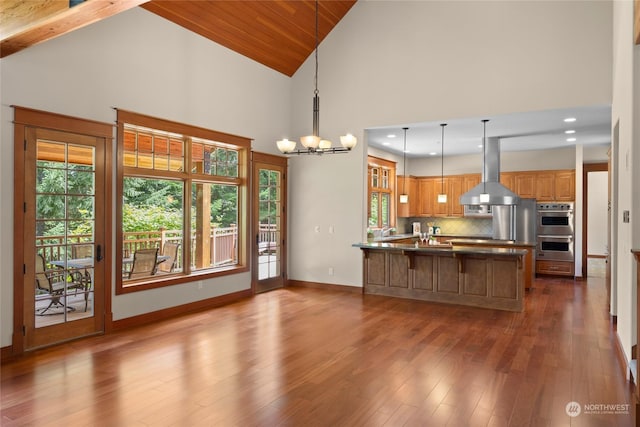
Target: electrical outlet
(331, 229)
(330, 271)
(625, 216)
(200, 284)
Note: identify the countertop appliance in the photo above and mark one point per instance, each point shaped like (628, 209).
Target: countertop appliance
(515, 222)
(554, 226)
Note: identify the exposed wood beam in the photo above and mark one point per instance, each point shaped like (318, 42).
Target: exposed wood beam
(25, 24)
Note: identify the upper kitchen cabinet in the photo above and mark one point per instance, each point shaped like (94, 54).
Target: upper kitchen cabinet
(470, 180)
(428, 194)
(565, 185)
(525, 184)
(508, 180)
(453, 188)
(555, 186)
(545, 186)
(409, 209)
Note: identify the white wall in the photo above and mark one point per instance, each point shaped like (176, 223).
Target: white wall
(392, 62)
(510, 161)
(625, 165)
(597, 213)
(140, 62)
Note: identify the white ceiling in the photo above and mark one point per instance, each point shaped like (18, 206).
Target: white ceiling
(518, 131)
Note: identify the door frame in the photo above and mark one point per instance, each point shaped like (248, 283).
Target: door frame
(30, 118)
(282, 162)
(586, 168)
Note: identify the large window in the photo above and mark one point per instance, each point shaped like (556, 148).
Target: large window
(183, 193)
(381, 174)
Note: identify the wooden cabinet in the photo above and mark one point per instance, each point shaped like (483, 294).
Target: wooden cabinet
(411, 187)
(545, 186)
(452, 186)
(525, 184)
(508, 180)
(528, 258)
(453, 196)
(441, 209)
(565, 186)
(426, 188)
(469, 181)
(560, 268)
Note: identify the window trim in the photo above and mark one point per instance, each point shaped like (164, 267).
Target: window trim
(244, 147)
(377, 162)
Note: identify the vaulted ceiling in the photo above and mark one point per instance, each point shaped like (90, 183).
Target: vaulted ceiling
(279, 34)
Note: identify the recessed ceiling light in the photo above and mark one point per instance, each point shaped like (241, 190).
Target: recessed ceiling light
(386, 143)
(570, 119)
(391, 135)
(433, 153)
(570, 131)
(407, 151)
(571, 140)
(480, 146)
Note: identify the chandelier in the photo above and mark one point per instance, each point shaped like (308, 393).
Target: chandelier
(314, 144)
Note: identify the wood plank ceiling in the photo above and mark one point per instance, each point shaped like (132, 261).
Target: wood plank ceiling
(279, 34)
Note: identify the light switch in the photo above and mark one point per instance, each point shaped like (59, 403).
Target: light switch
(331, 229)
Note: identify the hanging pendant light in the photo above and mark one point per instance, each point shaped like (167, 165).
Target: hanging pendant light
(314, 144)
(404, 197)
(484, 196)
(442, 197)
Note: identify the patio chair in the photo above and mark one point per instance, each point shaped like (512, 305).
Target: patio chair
(53, 283)
(144, 263)
(169, 249)
(83, 276)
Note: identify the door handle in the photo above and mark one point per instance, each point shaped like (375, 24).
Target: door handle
(99, 253)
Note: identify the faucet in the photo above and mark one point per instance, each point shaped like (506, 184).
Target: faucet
(384, 232)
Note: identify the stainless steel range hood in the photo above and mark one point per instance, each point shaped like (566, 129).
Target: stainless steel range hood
(498, 193)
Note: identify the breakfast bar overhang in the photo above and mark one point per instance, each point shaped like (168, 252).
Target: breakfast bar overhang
(481, 277)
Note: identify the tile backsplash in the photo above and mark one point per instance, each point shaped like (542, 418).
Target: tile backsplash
(454, 226)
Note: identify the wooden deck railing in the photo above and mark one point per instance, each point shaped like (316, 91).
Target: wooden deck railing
(223, 244)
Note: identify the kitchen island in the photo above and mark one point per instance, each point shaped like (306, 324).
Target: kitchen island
(474, 276)
(529, 259)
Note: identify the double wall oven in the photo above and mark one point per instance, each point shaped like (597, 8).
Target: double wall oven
(555, 232)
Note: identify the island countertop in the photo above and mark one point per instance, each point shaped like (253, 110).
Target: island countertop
(462, 250)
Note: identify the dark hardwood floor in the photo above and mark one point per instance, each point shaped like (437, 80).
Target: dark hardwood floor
(309, 357)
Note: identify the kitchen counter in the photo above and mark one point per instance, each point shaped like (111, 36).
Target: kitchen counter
(462, 250)
(405, 236)
(465, 275)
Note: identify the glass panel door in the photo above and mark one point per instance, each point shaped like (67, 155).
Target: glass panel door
(269, 195)
(64, 193)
